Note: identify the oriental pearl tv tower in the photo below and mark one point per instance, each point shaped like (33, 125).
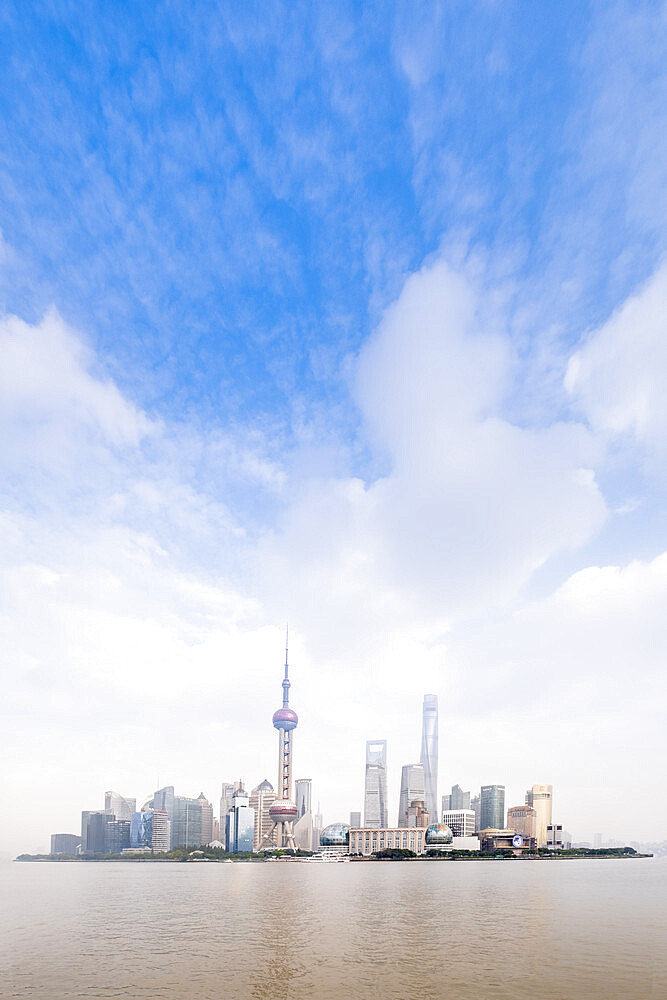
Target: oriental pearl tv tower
(283, 811)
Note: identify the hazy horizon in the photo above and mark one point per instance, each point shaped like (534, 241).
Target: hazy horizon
(352, 318)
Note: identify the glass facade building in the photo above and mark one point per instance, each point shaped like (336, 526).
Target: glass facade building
(65, 843)
(375, 792)
(186, 822)
(240, 825)
(119, 805)
(93, 831)
(117, 837)
(429, 752)
(141, 830)
(303, 795)
(412, 788)
(492, 807)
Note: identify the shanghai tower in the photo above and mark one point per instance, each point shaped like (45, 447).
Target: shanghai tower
(429, 754)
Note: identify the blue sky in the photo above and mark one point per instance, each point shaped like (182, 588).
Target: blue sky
(351, 314)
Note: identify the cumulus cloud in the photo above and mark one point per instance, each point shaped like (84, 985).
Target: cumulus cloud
(150, 611)
(618, 376)
(470, 505)
(50, 395)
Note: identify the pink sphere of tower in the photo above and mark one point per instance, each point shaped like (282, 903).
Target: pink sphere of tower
(283, 811)
(285, 718)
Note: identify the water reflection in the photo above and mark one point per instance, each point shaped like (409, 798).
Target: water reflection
(578, 930)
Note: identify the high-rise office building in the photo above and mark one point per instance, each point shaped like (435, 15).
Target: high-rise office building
(355, 820)
(375, 792)
(163, 801)
(240, 824)
(65, 843)
(303, 832)
(492, 807)
(457, 799)
(93, 830)
(121, 806)
(521, 819)
(416, 815)
(161, 831)
(475, 805)
(261, 799)
(206, 819)
(226, 796)
(318, 825)
(540, 798)
(460, 821)
(186, 822)
(141, 830)
(412, 788)
(429, 752)
(117, 836)
(283, 812)
(303, 788)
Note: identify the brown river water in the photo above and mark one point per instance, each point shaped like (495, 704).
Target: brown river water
(568, 930)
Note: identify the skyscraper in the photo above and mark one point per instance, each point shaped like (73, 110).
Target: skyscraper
(492, 807)
(119, 805)
(93, 830)
(429, 753)
(412, 788)
(163, 801)
(459, 799)
(522, 819)
(206, 819)
(540, 798)
(303, 788)
(283, 812)
(355, 820)
(475, 805)
(161, 831)
(261, 799)
(240, 822)
(117, 836)
(303, 832)
(375, 794)
(226, 796)
(186, 822)
(141, 829)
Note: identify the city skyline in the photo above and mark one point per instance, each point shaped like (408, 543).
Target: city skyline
(351, 317)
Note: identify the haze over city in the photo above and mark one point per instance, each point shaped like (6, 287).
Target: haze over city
(352, 318)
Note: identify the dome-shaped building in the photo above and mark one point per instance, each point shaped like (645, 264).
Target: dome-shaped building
(439, 837)
(335, 835)
(334, 843)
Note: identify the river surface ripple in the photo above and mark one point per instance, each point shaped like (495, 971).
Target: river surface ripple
(568, 930)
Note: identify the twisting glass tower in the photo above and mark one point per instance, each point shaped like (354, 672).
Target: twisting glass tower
(283, 812)
(429, 754)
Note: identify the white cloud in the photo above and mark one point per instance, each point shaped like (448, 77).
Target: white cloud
(618, 377)
(50, 397)
(471, 505)
(142, 629)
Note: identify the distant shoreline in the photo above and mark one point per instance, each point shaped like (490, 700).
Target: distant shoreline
(154, 859)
